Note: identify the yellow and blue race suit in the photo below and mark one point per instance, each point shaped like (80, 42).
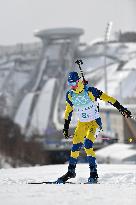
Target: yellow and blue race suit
(85, 104)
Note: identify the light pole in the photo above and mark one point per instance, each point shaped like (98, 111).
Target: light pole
(106, 39)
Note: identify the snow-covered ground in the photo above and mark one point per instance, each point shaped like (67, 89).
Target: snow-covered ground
(117, 153)
(117, 186)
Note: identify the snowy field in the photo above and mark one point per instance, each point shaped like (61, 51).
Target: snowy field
(117, 186)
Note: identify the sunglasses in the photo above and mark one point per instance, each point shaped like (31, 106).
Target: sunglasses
(72, 83)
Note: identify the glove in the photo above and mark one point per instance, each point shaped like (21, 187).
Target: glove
(126, 113)
(66, 127)
(65, 133)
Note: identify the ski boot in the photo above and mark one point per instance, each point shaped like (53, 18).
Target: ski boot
(70, 174)
(93, 179)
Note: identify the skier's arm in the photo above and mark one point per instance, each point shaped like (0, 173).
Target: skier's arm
(67, 114)
(124, 111)
(108, 99)
(103, 96)
(69, 107)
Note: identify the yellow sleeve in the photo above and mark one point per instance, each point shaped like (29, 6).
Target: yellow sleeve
(69, 107)
(107, 98)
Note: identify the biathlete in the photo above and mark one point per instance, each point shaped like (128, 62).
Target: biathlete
(82, 99)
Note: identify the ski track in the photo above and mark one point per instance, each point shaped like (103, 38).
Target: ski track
(117, 186)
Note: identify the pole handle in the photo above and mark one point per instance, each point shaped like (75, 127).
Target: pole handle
(79, 63)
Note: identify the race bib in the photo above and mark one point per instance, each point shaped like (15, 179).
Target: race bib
(88, 113)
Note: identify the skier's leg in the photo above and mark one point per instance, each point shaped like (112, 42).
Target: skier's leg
(78, 140)
(88, 145)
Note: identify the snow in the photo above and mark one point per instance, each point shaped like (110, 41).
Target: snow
(117, 80)
(40, 74)
(40, 115)
(131, 64)
(117, 153)
(42, 110)
(23, 111)
(117, 186)
(5, 162)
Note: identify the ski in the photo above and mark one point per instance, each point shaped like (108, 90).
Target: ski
(55, 182)
(50, 182)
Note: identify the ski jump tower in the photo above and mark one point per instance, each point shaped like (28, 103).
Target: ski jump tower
(59, 48)
(60, 45)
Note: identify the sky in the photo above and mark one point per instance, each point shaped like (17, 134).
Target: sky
(20, 18)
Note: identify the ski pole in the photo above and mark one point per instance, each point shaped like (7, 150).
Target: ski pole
(98, 137)
(79, 63)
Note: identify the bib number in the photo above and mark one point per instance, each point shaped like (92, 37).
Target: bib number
(84, 115)
(87, 115)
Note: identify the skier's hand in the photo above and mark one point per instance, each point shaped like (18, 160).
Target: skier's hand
(126, 113)
(65, 133)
